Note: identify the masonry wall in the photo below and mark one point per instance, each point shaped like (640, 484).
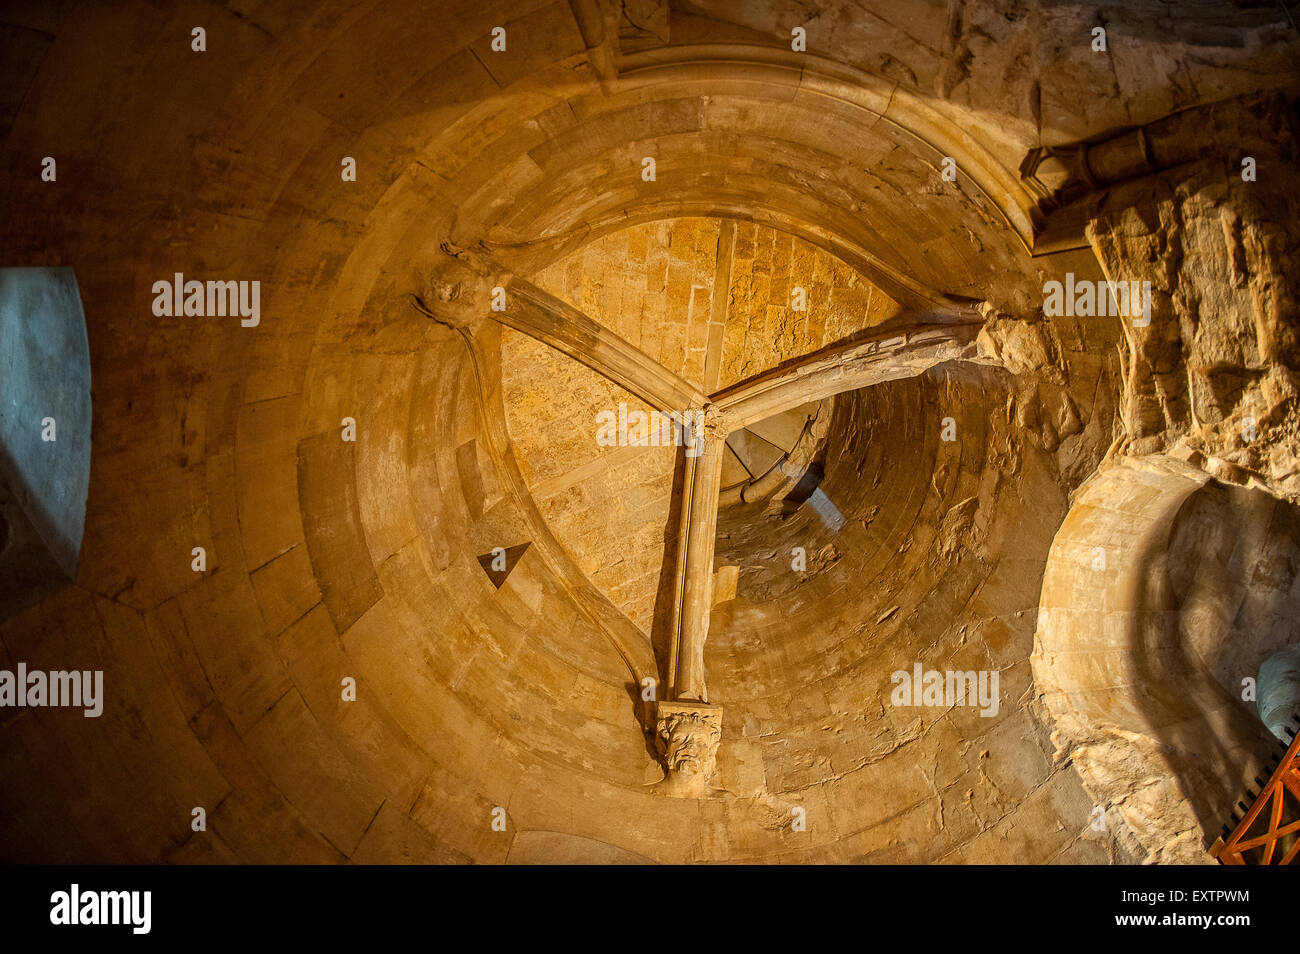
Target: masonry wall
(328, 559)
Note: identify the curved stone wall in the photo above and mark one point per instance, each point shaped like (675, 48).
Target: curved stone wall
(329, 560)
(1162, 595)
(930, 553)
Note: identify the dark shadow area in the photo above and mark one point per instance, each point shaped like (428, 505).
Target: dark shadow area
(1207, 613)
(661, 628)
(804, 487)
(498, 564)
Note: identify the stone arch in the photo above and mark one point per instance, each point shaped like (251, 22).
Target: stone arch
(332, 559)
(1163, 591)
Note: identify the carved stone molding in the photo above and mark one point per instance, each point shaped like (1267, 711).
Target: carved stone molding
(716, 425)
(708, 422)
(687, 735)
(1057, 174)
(1071, 182)
(458, 288)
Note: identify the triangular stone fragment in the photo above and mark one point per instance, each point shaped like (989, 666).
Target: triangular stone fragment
(497, 564)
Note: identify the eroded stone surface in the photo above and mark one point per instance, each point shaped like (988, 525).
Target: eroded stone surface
(1215, 372)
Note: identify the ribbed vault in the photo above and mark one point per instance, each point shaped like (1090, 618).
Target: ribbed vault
(329, 559)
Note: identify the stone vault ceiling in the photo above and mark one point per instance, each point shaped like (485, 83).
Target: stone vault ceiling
(656, 285)
(1097, 512)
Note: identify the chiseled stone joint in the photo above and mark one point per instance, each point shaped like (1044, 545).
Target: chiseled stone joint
(687, 735)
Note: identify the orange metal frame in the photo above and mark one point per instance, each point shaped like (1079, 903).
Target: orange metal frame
(1253, 843)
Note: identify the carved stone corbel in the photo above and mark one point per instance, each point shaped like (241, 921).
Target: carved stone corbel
(458, 288)
(687, 735)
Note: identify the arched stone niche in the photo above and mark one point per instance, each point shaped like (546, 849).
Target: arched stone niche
(1163, 591)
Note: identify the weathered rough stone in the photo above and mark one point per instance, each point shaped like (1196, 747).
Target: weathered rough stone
(1215, 372)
